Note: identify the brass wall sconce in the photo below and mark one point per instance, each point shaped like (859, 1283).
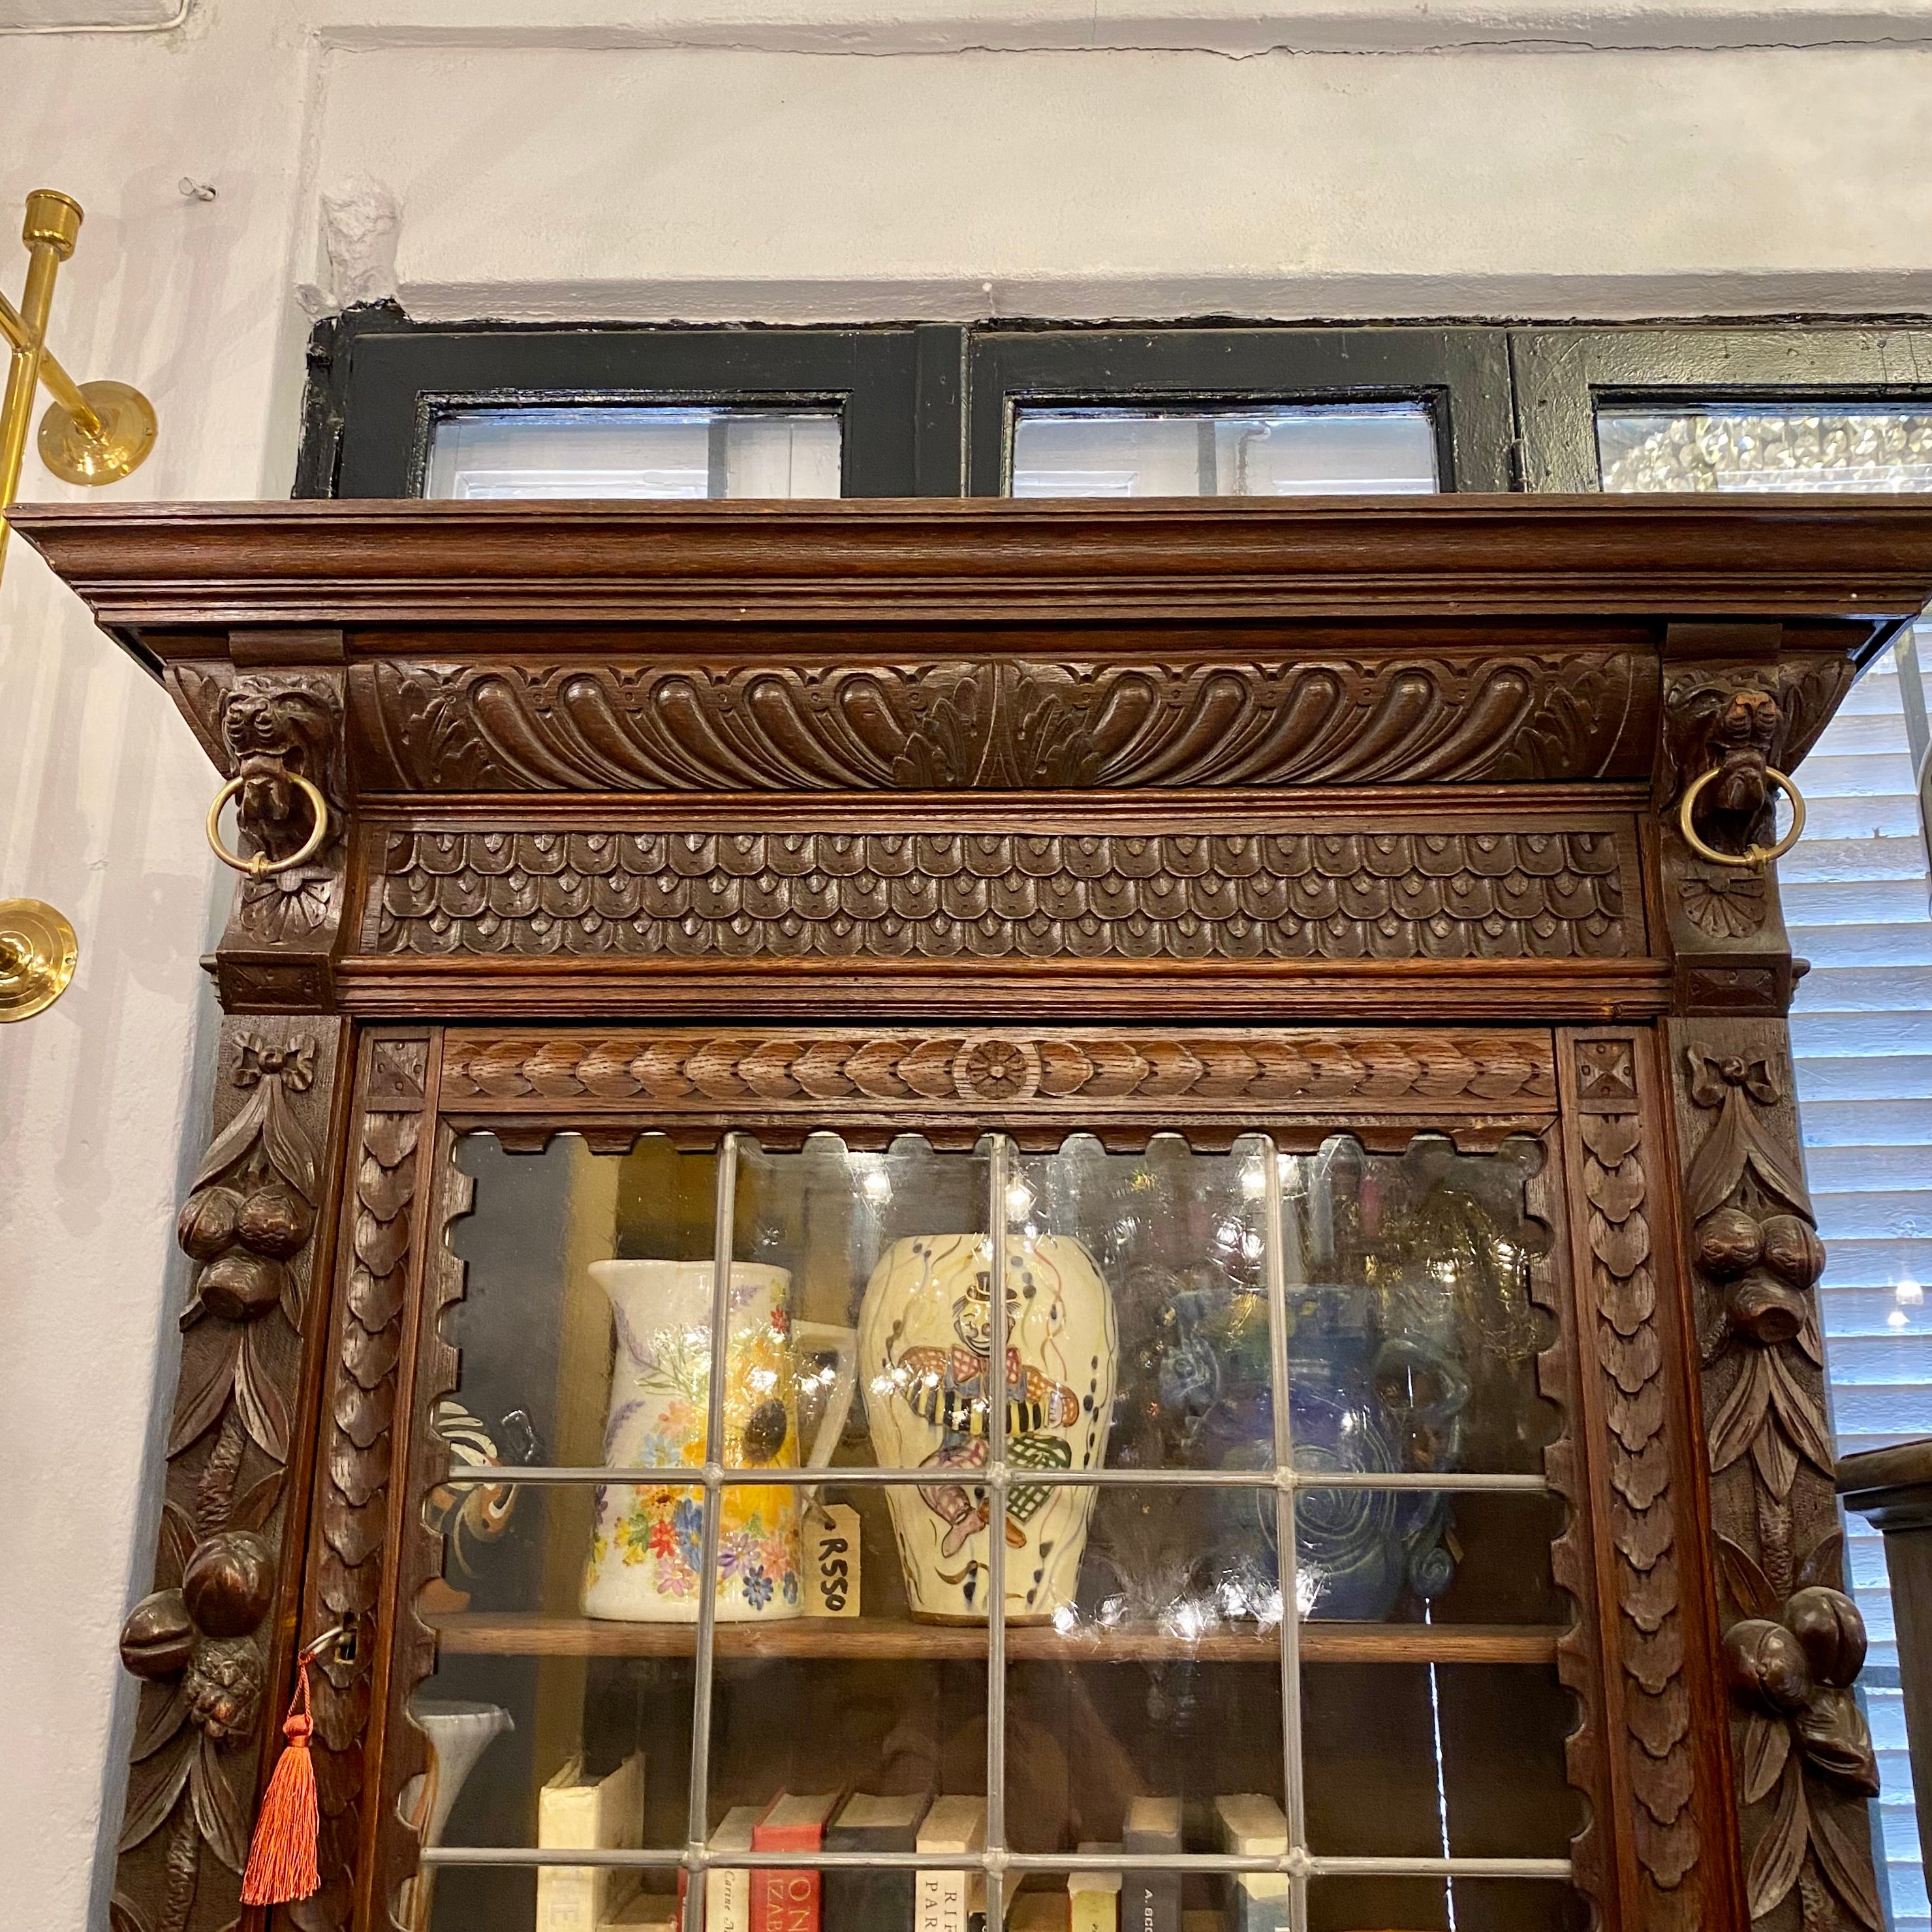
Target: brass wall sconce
(92, 433)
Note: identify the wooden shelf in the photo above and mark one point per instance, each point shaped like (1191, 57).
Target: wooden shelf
(526, 1634)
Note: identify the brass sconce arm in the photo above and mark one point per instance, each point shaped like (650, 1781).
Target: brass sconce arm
(92, 433)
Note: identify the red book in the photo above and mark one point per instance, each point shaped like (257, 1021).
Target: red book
(783, 1900)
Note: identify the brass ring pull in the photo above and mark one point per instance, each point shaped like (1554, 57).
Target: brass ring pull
(1755, 857)
(259, 867)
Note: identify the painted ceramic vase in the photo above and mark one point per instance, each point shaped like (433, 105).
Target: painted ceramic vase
(925, 1344)
(647, 1549)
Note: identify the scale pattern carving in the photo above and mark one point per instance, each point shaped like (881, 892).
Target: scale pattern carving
(703, 1069)
(1649, 1639)
(1262, 894)
(1009, 726)
(355, 1501)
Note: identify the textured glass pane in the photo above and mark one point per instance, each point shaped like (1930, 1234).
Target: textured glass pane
(1335, 449)
(1435, 1760)
(640, 452)
(1445, 1905)
(1795, 446)
(1161, 1679)
(1413, 1339)
(1177, 1237)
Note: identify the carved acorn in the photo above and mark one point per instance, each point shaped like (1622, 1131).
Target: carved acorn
(207, 1222)
(158, 1638)
(1792, 1249)
(275, 1221)
(240, 1287)
(1769, 1310)
(1728, 1242)
(228, 1583)
(1827, 1623)
(223, 1685)
(1765, 1660)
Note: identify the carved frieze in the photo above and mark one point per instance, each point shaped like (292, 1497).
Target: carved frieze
(202, 1641)
(1794, 1642)
(1264, 894)
(924, 1079)
(1004, 724)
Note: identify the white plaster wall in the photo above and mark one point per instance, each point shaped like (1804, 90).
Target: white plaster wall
(708, 159)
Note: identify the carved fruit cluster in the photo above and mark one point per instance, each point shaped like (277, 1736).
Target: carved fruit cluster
(243, 1239)
(1763, 1268)
(201, 1631)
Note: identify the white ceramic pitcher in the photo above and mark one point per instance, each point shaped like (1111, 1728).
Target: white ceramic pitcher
(647, 1549)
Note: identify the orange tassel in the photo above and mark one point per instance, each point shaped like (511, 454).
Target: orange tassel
(282, 1859)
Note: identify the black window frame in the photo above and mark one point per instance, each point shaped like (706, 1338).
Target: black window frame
(378, 382)
(1563, 377)
(1460, 375)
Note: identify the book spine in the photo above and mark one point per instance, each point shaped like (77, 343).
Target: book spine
(783, 1900)
(1150, 1902)
(727, 1900)
(568, 1898)
(1095, 1910)
(940, 1903)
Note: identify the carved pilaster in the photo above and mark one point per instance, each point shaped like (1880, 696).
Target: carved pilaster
(358, 1502)
(266, 728)
(1793, 1642)
(1726, 925)
(203, 1640)
(1655, 1645)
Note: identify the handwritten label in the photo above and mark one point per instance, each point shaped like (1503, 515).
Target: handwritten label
(832, 1561)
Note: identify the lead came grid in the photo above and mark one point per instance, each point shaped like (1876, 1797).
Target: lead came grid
(1298, 1863)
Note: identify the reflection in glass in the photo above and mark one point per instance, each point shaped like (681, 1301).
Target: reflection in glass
(1177, 1237)
(1266, 450)
(587, 451)
(1144, 1635)
(1761, 446)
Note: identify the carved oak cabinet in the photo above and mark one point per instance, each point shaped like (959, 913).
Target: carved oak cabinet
(1239, 967)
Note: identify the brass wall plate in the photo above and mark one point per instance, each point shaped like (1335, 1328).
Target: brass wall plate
(38, 952)
(127, 429)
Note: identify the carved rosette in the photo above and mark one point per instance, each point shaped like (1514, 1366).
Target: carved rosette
(1794, 1642)
(355, 1490)
(201, 1641)
(1630, 1349)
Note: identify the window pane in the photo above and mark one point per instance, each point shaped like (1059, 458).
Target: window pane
(651, 452)
(1854, 891)
(1340, 449)
(1793, 447)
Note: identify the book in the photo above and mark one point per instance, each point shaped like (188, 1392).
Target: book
(1253, 1826)
(873, 1901)
(648, 1912)
(727, 1889)
(1032, 1910)
(576, 1812)
(1093, 1897)
(1150, 1900)
(947, 1901)
(784, 1899)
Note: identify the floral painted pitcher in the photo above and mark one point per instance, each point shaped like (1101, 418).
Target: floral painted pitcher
(647, 1551)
